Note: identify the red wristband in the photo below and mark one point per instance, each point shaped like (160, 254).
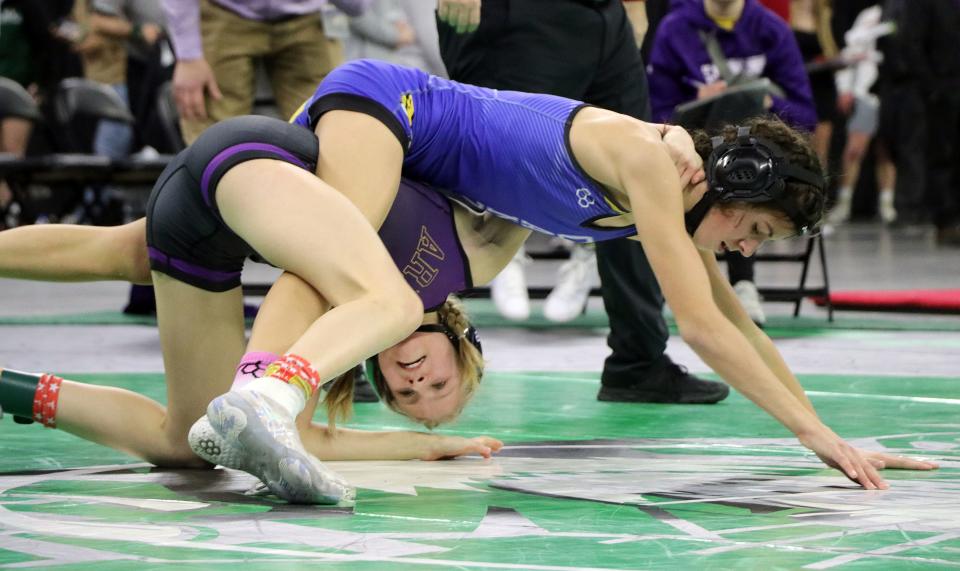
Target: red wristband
(45, 400)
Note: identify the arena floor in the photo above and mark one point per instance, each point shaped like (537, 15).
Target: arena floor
(580, 485)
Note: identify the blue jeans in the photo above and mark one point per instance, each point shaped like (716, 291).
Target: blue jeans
(114, 138)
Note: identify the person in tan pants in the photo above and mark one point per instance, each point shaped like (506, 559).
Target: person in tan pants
(217, 43)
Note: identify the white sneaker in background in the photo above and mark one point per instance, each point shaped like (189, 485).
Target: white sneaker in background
(509, 289)
(569, 297)
(888, 214)
(750, 300)
(840, 212)
(146, 153)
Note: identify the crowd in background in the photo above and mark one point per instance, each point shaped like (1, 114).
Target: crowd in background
(876, 83)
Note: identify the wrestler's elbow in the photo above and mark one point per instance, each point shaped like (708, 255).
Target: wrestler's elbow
(700, 330)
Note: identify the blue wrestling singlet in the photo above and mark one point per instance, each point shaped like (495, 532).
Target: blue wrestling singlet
(507, 152)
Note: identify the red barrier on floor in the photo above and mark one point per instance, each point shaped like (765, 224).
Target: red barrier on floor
(910, 300)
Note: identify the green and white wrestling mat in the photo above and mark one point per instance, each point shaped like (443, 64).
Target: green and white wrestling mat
(581, 485)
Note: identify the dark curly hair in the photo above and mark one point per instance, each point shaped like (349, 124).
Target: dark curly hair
(808, 200)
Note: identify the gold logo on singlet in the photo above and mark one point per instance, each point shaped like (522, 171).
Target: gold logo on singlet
(419, 268)
(298, 111)
(406, 100)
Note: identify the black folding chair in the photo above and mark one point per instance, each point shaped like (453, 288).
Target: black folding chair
(797, 294)
(169, 118)
(75, 167)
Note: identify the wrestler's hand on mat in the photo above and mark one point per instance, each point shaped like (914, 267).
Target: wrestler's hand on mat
(463, 15)
(452, 446)
(836, 453)
(191, 79)
(882, 460)
(684, 155)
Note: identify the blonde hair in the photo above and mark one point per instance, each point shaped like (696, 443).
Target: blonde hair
(339, 399)
(469, 360)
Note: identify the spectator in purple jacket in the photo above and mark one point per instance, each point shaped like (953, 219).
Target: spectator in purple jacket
(756, 43)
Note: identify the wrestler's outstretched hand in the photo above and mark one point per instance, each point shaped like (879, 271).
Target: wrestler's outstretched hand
(453, 446)
(882, 460)
(837, 453)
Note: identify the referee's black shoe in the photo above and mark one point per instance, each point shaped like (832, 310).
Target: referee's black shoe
(673, 384)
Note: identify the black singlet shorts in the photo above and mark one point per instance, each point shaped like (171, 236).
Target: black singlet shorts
(187, 238)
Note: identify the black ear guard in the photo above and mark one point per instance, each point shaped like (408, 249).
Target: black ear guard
(470, 334)
(752, 169)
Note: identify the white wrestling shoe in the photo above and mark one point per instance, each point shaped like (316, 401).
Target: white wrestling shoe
(207, 444)
(248, 431)
(840, 212)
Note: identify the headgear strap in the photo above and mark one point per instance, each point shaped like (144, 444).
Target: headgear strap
(470, 334)
(752, 169)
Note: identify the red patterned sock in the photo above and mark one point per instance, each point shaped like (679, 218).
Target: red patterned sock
(296, 371)
(45, 400)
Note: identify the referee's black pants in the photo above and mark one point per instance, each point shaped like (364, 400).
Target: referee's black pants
(585, 50)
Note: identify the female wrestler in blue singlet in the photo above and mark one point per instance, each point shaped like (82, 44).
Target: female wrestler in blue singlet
(559, 166)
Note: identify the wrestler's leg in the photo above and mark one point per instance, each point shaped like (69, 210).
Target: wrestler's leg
(314, 232)
(361, 158)
(317, 234)
(66, 252)
(202, 335)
